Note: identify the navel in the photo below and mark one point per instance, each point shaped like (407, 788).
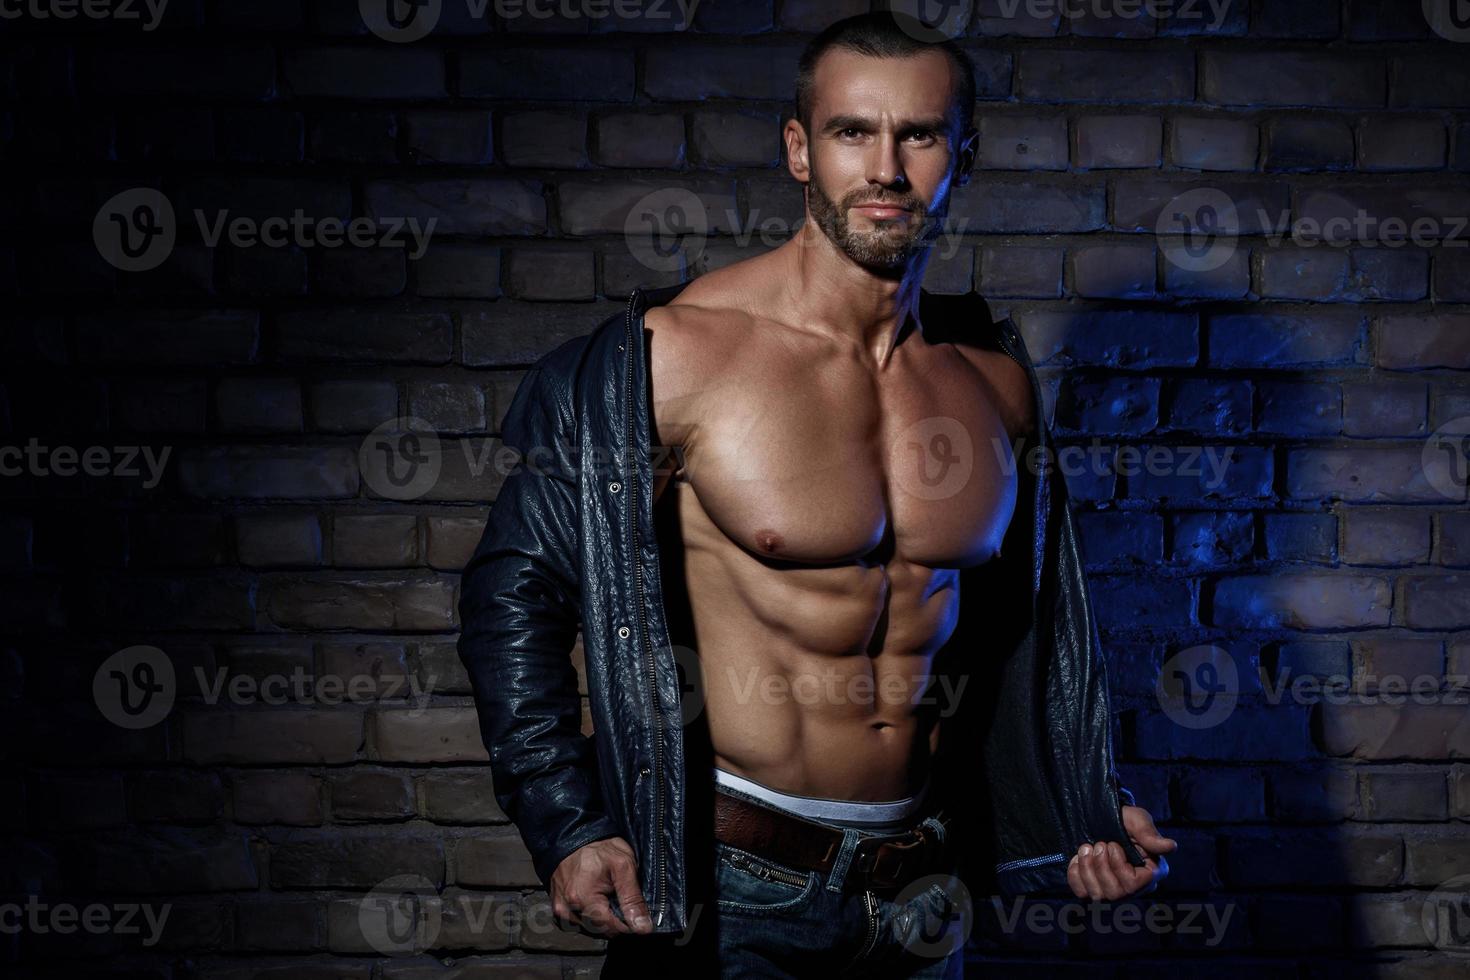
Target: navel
(769, 541)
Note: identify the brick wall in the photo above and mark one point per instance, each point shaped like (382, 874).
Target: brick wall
(232, 697)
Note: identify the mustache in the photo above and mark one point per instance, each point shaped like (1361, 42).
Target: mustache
(908, 203)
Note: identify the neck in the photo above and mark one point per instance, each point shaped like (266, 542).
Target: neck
(828, 292)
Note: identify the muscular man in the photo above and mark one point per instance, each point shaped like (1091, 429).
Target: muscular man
(841, 465)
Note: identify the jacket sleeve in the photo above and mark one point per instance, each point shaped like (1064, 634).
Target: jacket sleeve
(519, 602)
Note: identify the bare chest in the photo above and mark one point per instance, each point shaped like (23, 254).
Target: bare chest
(832, 463)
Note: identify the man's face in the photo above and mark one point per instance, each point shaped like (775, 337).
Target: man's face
(879, 154)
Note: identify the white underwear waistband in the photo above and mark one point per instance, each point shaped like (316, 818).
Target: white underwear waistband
(847, 813)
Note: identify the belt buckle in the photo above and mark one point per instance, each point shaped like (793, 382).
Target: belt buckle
(906, 856)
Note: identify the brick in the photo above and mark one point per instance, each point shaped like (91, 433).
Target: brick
(268, 471)
(1298, 922)
(1301, 19)
(1453, 534)
(374, 541)
(1110, 538)
(950, 270)
(1231, 279)
(356, 861)
(351, 406)
(278, 540)
(1257, 858)
(1387, 20)
(1407, 343)
(360, 273)
(640, 139)
(452, 540)
(1212, 538)
(1385, 537)
(1109, 406)
(1435, 601)
(279, 924)
(1114, 271)
(551, 274)
(1308, 143)
(282, 736)
(448, 406)
(1134, 601)
(1384, 732)
(370, 796)
(1385, 919)
(196, 71)
(992, 206)
(1248, 733)
(364, 73)
(1433, 856)
(472, 207)
(1205, 405)
(1273, 341)
(1302, 600)
(1404, 795)
(1300, 408)
(175, 860)
(386, 601)
(493, 859)
(1213, 143)
(1142, 339)
(1099, 76)
(449, 269)
(1301, 538)
(355, 137)
(463, 797)
(1118, 141)
(1381, 663)
(1227, 796)
(1384, 408)
(256, 272)
(1397, 143)
(544, 139)
(343, 334)
(258, 405)
(1016, 270)
(548, 74)
(1281, 78)
(737, 139)
(1429, 81)
(1023, 142)
(1380, 474)
(419, 735)
(1319, 658)
(170, 338)
(700, 72)
(1139, 203)
(448, 137)
(1452, 275)
(1313, 794)
(1418, 214)
(598, 205)
(491, 337)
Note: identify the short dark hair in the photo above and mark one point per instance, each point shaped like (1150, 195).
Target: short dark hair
(884, 34)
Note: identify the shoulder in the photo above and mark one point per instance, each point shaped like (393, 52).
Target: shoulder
(1007, 384)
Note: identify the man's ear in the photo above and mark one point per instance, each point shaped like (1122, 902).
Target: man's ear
(793, 134)
(969, 150)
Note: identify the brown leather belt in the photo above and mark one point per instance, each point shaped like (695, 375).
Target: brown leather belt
(878, 863)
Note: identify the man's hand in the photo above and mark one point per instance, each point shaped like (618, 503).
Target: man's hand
(1102, 872)
(583, 882)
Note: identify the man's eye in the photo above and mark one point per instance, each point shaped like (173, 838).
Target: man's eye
(921, 135)
(848, 133)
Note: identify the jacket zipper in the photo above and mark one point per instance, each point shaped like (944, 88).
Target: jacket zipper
(660, 889)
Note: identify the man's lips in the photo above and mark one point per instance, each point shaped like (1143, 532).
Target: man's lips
(879, 210)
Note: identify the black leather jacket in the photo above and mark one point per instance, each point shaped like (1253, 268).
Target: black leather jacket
(1026, 762)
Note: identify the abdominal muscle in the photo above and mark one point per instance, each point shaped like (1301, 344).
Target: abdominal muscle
(812, 676)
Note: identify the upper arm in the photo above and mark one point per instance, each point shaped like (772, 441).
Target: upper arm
(674, 388)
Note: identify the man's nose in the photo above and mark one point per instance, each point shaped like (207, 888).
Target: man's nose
(885, 165)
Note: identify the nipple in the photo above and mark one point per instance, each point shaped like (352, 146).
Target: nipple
(768, 541)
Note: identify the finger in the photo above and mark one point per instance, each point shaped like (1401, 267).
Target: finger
(1102, 873)
(1119, 867)
(1087, 870)
(630, 897)
(597, 916)
(1074, 878)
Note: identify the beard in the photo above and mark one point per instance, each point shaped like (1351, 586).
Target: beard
(891, 244)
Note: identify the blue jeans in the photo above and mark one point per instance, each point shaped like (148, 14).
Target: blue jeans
(769, 920)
